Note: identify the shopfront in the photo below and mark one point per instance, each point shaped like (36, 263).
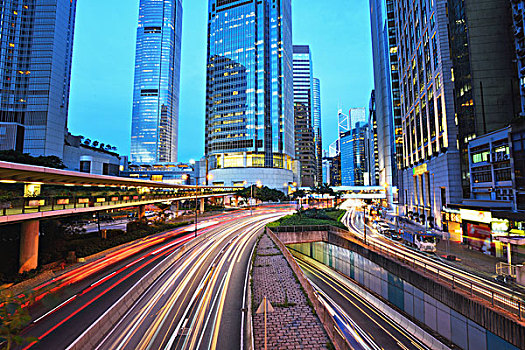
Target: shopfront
(477, 232)
(451, 219)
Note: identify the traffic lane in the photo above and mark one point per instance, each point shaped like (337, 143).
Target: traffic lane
(60, 328)
(95, 298)
(135, 335)
(380, 329)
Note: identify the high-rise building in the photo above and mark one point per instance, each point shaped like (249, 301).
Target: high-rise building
(373, 159)
(387, 93)
(249, 93)
(350, 121)
(154, 125)
(518, 16)
(318, 134)
(305, 151)
(355, 153)
(36, 43)
(452, 89)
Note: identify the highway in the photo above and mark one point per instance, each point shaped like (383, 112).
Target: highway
(67, 305)
(363, 326)
(488, 290)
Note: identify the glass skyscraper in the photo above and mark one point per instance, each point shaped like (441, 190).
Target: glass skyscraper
(318, 135)
(305, 151)
(154, 126)
(36, 43)
(249, 93)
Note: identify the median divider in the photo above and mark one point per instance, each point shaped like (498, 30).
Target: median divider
(90, 338)
(324, 315)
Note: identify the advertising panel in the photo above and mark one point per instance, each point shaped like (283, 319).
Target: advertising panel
(479, 238)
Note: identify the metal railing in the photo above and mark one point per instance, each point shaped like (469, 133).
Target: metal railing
(45, 204)
(474, 286)
(504, 269)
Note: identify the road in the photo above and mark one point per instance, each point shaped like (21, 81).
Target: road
(479, 286)
(67, 305)
(364, 326)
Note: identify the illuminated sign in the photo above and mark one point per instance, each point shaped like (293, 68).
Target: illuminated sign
(63, 201)
(114, 199)
(37, 202)
(125, 198)
(476, 216)
(452, 217)
(500, 226)
(420, 170)
(83, 200)
(101, 200)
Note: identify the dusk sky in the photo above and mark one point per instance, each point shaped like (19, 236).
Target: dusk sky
(104, 55)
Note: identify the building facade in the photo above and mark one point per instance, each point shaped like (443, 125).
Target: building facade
(387, 94)
(305, 151)
(36, 44)
(249, 93)
(85, 157)
(355, 152)
(178, 174)
(318, 133)
(436, 71)
(518, 15)
(373, 159)
(154, 125)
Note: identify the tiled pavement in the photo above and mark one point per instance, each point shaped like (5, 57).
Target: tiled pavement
(292, 325)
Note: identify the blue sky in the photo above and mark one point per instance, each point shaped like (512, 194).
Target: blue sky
(104, 54)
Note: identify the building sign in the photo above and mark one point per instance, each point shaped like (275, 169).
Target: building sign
(420, 170)
(500, 226)
(452, 217)
(476, 215)
(479, 238)
(36, 202)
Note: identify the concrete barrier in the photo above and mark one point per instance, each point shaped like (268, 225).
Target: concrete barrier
(394, 315)
(90, 338)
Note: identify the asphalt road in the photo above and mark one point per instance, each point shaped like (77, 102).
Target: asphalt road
(72, 302)
(197, 303)
(365, 326)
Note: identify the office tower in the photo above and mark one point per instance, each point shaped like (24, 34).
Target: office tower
(387, 93)
(484, 73)
(154, 125)
(318, 135)
(249, 93)
(36, 43)
(348, 122)
(305, 151)
(355, 152)
(373, 159)
(518, 13)
(452, 89)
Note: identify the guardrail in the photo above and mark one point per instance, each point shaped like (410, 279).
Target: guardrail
(44, 204)
(504, 269)
(456, 279)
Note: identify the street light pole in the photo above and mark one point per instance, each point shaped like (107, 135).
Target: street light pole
(196, 206)
(364, 222)
(251, 199)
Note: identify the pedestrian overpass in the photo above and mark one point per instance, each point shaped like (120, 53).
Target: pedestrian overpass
(31, 193)
(354, 192)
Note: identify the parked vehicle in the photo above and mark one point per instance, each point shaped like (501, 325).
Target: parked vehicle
(381, 227)
(425, 242)
(393, 234)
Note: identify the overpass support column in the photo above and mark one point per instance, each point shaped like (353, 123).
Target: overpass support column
(29, 245)
(141, 212)
(203, 201)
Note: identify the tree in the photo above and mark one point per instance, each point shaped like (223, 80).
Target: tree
(26, 158)
(95, 143)
(13, 319)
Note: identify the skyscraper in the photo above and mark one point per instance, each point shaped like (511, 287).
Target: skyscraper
(249, 93)
(305, 151)
(355, 150)
(154, 125)
(318, 135)
(350, 121)
(457, 81)
(36, 43)
(387, 93)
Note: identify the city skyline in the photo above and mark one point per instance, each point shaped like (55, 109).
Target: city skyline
(343, 85)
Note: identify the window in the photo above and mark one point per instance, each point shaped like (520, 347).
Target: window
(85, 166)
(152, 30)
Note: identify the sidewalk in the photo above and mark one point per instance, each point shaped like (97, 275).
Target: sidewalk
(293, 324)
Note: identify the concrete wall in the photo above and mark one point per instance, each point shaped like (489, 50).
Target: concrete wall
(435, 305)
